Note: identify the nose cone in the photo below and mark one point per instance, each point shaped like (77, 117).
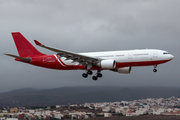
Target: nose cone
(171, 56)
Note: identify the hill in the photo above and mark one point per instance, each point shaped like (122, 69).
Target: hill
(32, 97)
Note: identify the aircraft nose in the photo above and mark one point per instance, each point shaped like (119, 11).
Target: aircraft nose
(171, 56)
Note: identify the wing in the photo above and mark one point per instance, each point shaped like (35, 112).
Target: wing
(82, 59)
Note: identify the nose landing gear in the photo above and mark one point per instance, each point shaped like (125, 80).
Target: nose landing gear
(155, 70)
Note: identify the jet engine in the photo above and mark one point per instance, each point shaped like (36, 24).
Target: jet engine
(107, 64)
(124, 70)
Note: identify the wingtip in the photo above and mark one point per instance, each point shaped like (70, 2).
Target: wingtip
(37, 42)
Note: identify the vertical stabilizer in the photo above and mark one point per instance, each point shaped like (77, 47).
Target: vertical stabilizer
(24, 47)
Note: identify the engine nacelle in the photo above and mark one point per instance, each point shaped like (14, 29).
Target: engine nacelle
(124, 70)
(107, 64)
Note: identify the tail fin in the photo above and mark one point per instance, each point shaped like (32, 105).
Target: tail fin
(24, 47)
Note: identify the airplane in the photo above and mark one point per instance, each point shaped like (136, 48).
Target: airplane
(117, 61)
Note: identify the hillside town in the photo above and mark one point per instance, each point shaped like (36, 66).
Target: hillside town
(149, 106)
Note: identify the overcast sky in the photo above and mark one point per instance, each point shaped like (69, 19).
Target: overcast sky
(85, 26)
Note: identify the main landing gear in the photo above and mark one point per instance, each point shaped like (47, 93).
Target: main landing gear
(155, 70)
(98, 74)
(89, 72)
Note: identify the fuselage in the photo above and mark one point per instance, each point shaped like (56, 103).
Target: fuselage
(126, 58)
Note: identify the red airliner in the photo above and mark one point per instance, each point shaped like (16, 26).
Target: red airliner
(117, 61)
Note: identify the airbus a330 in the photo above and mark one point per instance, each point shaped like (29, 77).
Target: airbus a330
(117, 61)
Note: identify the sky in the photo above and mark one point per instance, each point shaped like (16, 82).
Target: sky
(89, 26)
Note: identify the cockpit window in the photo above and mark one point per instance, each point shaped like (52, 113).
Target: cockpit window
(165, 53)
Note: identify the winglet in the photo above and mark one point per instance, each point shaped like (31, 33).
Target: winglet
(37, 42)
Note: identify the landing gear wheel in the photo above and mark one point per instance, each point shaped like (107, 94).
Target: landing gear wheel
(99, 75)
(154, 70)
(89, 72)
(94, 77)
(85, 75)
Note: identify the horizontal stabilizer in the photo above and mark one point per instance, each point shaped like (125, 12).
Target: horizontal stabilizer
(28, 59)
